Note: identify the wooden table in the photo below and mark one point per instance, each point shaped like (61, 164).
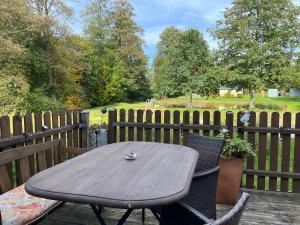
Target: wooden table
(161, 174)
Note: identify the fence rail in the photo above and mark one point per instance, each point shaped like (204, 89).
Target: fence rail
(16, 131)
(275, 167)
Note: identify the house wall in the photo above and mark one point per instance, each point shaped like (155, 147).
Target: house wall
(294, 92)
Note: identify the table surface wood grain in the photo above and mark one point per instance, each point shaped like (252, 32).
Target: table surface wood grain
(161, 174)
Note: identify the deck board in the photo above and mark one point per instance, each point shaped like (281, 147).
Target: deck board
(263, 208)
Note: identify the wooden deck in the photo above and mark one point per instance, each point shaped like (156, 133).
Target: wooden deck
(263, 208)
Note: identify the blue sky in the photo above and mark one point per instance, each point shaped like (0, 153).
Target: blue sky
(155, 15)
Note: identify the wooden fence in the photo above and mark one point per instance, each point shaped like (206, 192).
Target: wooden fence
(275, 167)
(70, 126)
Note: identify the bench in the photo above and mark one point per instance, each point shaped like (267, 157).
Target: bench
(17, 207)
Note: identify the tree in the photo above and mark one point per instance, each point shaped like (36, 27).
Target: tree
(181, 62)
(117, 43)
(258, 39)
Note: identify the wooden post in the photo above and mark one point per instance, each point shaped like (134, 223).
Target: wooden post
(206, 121)
(262, 150)
(130, 129)
(217, 122)
(296, 183)
(47, 122)
(85, 120)
(122, 118)
(229, 123)
(140, 131)
(148, 131)
(196, 121)
(250, 159)
(157, 130)
(111, 129)
(185, 132)
(29, 129)
(167, 116)
(17, 130)
(176, 132)
(274, 151)
(286, 152)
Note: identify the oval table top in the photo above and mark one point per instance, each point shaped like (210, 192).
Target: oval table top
(161, 174)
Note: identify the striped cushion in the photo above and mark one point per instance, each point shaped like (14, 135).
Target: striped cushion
(18, 207)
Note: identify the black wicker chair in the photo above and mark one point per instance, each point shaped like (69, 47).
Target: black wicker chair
(209, 149)
(183, 214)
(202, 194)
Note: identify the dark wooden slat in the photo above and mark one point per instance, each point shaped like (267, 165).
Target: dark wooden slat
(122, 129)
(69, 133)
(206, 121)
(24, 170)
(229, 123)
(196, 121)
(130, 129)
(262, 150)
(286, 146)
(55, 136)
(176, 132)
(18, 130)
(274, 151)
(167, 120)
(111, 130)
(186, 120)
(148, 131)
(296, 182)
(250, 159)
(240, 124)
(6, 133)
(49, 152)
(38, 127)
(5, 182)
(29, 129)
(140, 118)
(62, 123)
(157, 130)
(75, 132)
(217, 122)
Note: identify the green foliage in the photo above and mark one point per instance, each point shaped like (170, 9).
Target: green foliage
(181, 64)
(259, 40)
(117, 66)
(237, 148)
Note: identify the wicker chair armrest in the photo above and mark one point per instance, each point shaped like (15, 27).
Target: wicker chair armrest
(207, 172)
(195, 214)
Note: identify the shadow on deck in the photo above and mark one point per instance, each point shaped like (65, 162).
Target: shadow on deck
(263, 208)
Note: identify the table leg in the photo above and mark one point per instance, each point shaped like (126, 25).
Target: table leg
(125, 216)
(98, 215)
(143, 215)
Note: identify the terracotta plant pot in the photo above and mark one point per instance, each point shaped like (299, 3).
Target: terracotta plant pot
(229, 181)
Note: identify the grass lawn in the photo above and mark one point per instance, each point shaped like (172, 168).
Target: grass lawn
(291, 104)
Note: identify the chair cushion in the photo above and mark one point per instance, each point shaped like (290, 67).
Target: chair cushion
(18, 207)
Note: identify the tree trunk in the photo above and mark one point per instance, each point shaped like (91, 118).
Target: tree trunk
(252, 103)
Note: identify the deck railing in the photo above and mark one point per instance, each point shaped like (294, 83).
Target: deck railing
(70, 126)
(275, 167)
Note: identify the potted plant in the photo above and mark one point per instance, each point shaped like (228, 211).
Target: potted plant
(235, 152)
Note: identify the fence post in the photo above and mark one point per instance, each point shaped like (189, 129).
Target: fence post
(111, 130)
(229, 123)
(85, 120)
